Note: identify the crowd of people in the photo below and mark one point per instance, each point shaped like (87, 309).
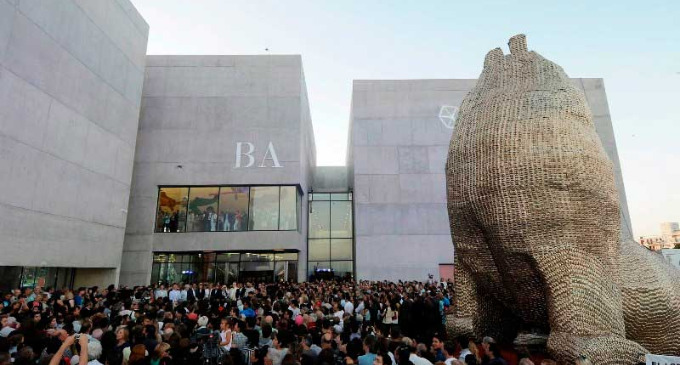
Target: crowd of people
(312, 323)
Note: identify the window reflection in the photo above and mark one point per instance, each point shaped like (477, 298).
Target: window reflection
(288, 219)
(319, 219)
(202, 209)
(264, 208)
(319, 250)
(228, 209)
(341, 249)
(172, 210)
(341, 219)
(233, 215)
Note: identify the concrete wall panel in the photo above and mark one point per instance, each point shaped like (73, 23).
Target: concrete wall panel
(71, 75)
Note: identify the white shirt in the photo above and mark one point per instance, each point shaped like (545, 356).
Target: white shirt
(223, 337)
(5, 331)
(349, 307)
(464, 353)
(161, 293)
(417, 360)
(76, 358)
(174, 295)
(296, 311)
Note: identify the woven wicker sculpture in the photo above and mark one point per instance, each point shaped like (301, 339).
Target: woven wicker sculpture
(535, 220)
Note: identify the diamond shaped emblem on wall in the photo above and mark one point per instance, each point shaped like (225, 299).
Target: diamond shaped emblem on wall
(448, 115)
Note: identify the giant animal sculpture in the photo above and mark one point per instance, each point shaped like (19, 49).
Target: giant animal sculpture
(535, 221)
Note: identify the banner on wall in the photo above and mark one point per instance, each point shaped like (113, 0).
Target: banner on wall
(661, 360)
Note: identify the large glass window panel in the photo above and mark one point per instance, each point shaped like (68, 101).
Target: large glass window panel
(207, 267)
(28, 277)
(341, 249)
(286, 256)
(298, 209)
(233, 215)
(288, 218)
(155, 270)
(319, 219)
(174, 274)
(172, 209)
(160, 257)
(202, 209)
(264, 208)
(339, 196)
(319, 250)
(341, 219)
(317, 265)
(321, 196)
(228, 257)
(257, 266)
(163, 273)
(257, 257)
(342, 269)
(11, 276)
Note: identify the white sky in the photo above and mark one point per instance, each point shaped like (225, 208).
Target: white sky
(633, 45)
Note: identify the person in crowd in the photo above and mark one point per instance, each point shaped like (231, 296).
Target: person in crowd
(450, 353)
(161, 355)
(438, 348)
(370, 349)
(495, 355)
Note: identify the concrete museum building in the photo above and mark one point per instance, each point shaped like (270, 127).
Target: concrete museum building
(118, 167)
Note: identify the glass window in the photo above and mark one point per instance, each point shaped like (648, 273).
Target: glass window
(341, 249)
(321, 196)
(172, 209)
(341, 219)
(319, 219)
(233, 215)
(161, 257)
(319, 250)
(288, 219)
(321, 265)
(264, 208)
(248, 256)
(228, 257)
(155, 270)
(202, 209)
(163, 273)
(339, 196)
(174, 273)
(287, 256)
(342, 269)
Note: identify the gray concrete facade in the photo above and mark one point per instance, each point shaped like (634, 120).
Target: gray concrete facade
(396, 156)
(195, 109)
(91, 127)
(71, 76)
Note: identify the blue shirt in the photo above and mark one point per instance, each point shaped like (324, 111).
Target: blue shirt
(248, 312)
(366, 359)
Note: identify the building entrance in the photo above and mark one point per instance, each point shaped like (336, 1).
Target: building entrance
(224, 267)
